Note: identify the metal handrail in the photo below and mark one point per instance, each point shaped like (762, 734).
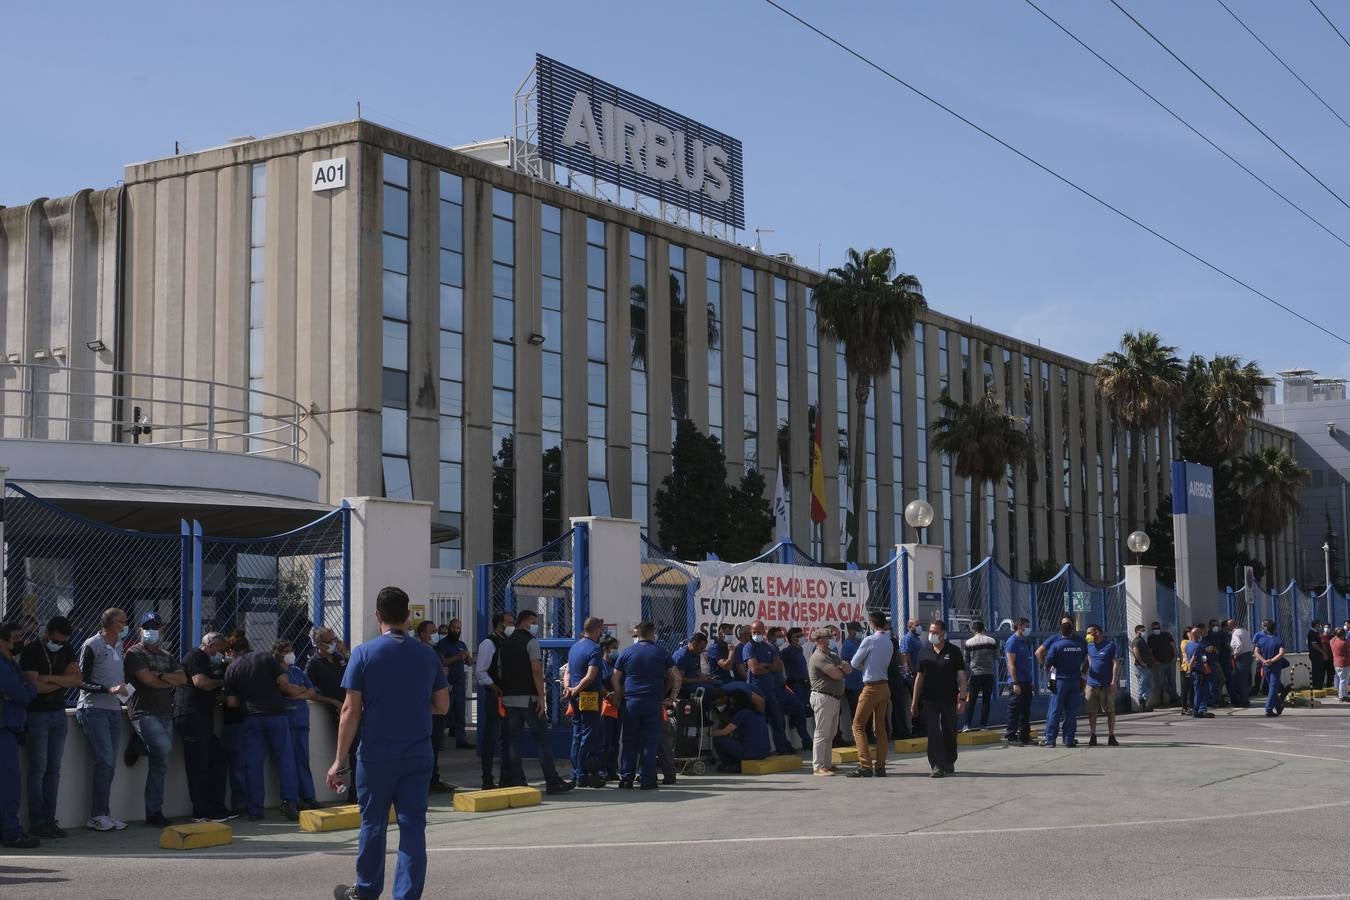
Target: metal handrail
(141, 418)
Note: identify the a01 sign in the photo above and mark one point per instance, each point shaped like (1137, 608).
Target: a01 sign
(329, 174)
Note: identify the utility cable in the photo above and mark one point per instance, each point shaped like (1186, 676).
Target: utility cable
(1049, 171)
(1215, 91)
(1268, 186)
(1281, 61)
(1329, 22)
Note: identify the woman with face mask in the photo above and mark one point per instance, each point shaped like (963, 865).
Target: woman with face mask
(297, 713)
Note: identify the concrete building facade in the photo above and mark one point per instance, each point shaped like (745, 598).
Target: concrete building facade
(516, 353)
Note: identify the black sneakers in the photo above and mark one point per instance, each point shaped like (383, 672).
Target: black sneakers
(289, 811)
(859, 772)
(157, 821)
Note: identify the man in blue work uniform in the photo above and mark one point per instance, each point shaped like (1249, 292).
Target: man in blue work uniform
(1103, 678)
(1018, 650)
(1269, 650)
(455, 656)
(585, 663)
(1201, 664)
(721, 655)
(16, 692)
(394, 685)
(688, 660)
(910, 647)
(643, 676)
(763, 669)
(1067, 658)
(744, 736)
(853, 684)
(797, 696)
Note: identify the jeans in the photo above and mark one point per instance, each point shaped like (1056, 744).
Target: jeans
(232, 742)
(1165, 682)
(46, 744)
(901, 695)
(156, 732)
(1019, 714)
(1063, 713)
(518, 718)
(1200, 685)
(491, 734)
(826, 709)
(979, 684)
(264, 735)
(1272, 689)
(871, 707)
(10, 826)
(203, 763)
(588, 739)
(103, 729)
(304, 776)
(401, 783)
(940, 720)
(641, 732)
(437, 745)
(1143, 683)
(1342, 681)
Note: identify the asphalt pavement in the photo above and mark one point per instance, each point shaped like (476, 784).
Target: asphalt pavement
(1235, 806)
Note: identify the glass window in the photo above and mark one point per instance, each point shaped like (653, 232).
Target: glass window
(503, 281)
(452, 487)
(395, 295)
(395, 253)
(452, 355)
(595, 457)
(451, 440)
(503, 204)
(551, 321)
(550, 296)
(452, 226)
(550, 218)
(397, 478)
(394, 431)
(595, 232)
(255, 353)
(258, 223)
(503, 241)
(598, 493)
(394, 388)
(550, 251)
(452, 398)
(395, 169)
(452, 268)
(395, 211)
(595, 340)
(452, 307)
(503, 319)
(258, 186)
(595, 383)
(452, 188)
(503, 366)
(552, 414)
(595, 266)
(395, 345)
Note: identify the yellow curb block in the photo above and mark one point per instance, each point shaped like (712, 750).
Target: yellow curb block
(772, 765)
(968, 738)
(844, 755)
(335, 818)
(195, 836)
(912, 745)
(1326, 692)
(497, 799)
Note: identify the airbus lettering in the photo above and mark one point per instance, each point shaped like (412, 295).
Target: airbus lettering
(647, 147)
(1201, 489)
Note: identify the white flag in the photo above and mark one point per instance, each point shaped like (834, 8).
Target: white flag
(781, 531)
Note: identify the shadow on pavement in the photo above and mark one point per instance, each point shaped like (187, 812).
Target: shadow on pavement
(26, 875)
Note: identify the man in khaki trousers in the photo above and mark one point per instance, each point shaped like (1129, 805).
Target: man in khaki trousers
(872, 660)
(826, 671)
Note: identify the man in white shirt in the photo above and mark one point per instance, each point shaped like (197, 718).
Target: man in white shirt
(487, 672)
(1240, 679)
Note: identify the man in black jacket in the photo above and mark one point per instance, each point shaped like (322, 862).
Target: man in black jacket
(521, 671)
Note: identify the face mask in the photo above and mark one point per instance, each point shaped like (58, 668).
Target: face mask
(801, 642)
(217, 659)
(915, 631)
(150, 636)
(535, 629)
(934, 639)
(757, 638)
(1157, 631)
(122, 635)
(636, 639)
(54, 646)
(834, 646)
(1091, 639)
(509, 630)
(289, 659)
(780, 643)
(325, 648)
(611, 655)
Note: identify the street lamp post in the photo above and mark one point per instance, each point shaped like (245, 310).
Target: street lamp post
(1138, 542)
(919, 515)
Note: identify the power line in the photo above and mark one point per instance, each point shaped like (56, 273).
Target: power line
(1329, 22)
(1215, 91)
(1286, 65)
(1268, 186)
(1049, 171)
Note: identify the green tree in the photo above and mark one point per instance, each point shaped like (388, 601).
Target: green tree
(749, 519)
(693, 503)
(1043, 569)
(982, 442)
(1269, 482)
(1143, 381)
(870, 310)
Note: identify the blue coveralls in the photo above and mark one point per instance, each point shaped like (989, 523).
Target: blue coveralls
(588, 738)
(16, 692)
(1196, 658)
(609, 724)
(771, 685)
(396, 677)
(797, 695)
(298, 714)
(750, 740)
(644, 668)
(1066, 656)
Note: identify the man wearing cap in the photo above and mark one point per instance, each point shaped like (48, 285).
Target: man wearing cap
(195, 720)
(154, 673)
(827, 672)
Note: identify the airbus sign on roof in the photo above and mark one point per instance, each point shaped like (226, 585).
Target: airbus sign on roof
(592, 127)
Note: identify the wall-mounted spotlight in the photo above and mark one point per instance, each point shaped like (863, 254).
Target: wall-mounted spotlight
(96, 345)
(536, 339)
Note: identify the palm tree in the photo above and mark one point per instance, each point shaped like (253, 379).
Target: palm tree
(982, 442)
(1269, 482)
(1143, 382)
(1230, 397)
(870, 310)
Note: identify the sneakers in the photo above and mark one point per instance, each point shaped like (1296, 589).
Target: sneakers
(1111, 741)
(936, 773)
(1047, 743)
(859, 772)
(822, 772)
(625, 784)
(437, 787)
(1092, 741)
(1070, 743)
(48, 830)
(595, 780)
(289, 811)
(879, 772)
(558, 787)
(22, 842)
(157, 820)
(346, 892)
(104, 823)
(949, 770)
(488, 783)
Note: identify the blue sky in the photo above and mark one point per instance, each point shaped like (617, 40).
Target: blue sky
(835, 155)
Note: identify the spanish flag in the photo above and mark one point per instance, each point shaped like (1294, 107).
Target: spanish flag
(817, 476)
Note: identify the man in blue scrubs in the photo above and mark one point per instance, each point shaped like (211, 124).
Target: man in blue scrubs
(1067, 658)
(763, 669)
(687, 658)
(797, 696)
(394, 686)
(1269, 651)
(584, 687)
(746, 736)
(643, 676)
(1018, 650)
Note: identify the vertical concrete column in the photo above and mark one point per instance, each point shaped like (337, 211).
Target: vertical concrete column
(829, 449)
(922, 579)
(799, 433)
(574, 362)
(615, 569)
(1091, 449)
(389, 547)
(733, 377)
(1141, 608)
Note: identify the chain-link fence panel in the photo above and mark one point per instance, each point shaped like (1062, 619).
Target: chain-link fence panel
(883, 592)
(61, 563)
(668, 587)
(1009, 600)
(1167, 609)
(1283, 606)
(1113, 596)
(967, 597)
(274, 588)
(1051, 597)
(1305, 609)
